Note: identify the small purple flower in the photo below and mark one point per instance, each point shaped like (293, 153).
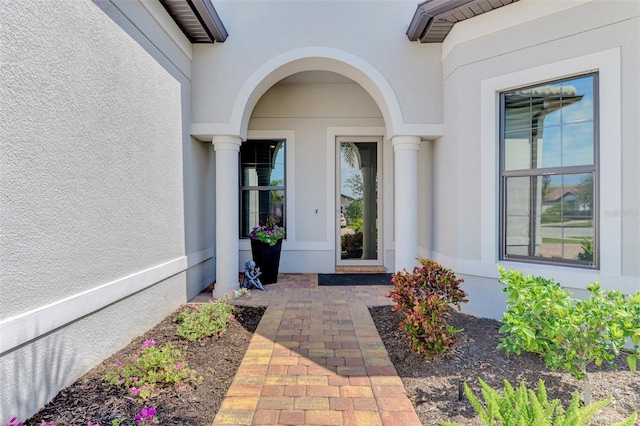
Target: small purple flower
(148, 343)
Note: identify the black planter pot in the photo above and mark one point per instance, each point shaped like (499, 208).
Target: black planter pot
(267, 258)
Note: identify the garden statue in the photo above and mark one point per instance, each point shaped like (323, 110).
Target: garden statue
(251, 274)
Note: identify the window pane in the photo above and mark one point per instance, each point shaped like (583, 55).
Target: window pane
(559, 222)
(567, 218)
(262, 165)
(517, 110)
(517, 146)
(519, 212)
(258, 205)
(517, 236)
(262, 175)
(577, 144)
(550, 146)
(577, 100)
(550, 125)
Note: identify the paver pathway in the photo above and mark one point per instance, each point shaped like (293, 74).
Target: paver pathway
(316, 359)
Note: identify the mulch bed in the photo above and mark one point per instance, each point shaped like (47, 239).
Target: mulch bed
(433, 386)
(217, 359)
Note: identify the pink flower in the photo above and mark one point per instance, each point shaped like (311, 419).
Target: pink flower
(148, 342)
(134, 378)
(179, 366)
(118, 363)
(135, 390)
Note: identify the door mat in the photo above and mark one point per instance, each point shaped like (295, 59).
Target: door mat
(354, 279)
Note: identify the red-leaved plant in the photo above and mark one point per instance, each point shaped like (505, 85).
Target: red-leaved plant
(424, 297)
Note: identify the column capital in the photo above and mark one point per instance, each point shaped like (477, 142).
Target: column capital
(401, 143)
(226, 142)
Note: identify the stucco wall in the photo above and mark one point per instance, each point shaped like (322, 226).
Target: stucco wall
(308, 111)
(509, 47)
(94, 127)
(373, 31)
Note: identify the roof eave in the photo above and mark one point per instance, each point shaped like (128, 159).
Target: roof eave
(433, 19)
(197, 19)
(211, 19)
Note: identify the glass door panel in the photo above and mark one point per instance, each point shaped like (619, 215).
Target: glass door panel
(358, 188)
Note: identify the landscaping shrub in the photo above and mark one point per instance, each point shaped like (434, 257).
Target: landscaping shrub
(568, 333)
(208, 319)
(524, 407)
(153, 366)
(424, 297)
(351, 244)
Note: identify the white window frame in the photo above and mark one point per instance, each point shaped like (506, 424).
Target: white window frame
(608, 64)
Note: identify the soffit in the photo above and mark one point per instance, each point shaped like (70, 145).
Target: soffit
(433, 19)
(197, 19)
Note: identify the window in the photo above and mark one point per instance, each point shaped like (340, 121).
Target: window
(262, 183)
(548, 167)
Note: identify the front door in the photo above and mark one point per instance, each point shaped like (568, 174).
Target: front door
(358, 213)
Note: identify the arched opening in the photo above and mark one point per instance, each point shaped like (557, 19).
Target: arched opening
(308, 115)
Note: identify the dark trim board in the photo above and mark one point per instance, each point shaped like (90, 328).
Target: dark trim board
(353, 279)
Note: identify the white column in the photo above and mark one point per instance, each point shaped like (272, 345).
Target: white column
(227, 214)
(405, 153)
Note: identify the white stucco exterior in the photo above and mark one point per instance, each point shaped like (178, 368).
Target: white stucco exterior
(119, 147)
(103, 231)
(485, 56)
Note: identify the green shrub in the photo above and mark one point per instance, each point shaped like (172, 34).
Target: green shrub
(351, 244)
(153, 366)
(209, 319)
(524, 407)
(587, 250)
(424, 298)
(570, 334)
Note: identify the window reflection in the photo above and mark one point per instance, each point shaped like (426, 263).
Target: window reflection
(559, 226)
(548, 166)
(262, 180)
(550, 125)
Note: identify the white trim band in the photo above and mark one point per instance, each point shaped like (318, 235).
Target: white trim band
(30, 325)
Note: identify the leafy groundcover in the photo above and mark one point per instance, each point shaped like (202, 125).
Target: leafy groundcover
(433, 386)
(215, 359)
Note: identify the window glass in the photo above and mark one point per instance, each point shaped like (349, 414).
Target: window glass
(550, 125)
(548, 169)
(262, 183)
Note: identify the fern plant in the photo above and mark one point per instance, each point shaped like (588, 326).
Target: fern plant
(524, 407)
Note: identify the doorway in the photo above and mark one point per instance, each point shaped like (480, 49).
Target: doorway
(358, 230)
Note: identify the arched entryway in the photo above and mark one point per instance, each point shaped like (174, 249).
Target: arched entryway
(398, 165)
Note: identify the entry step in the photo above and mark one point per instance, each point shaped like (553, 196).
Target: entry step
(369, 269)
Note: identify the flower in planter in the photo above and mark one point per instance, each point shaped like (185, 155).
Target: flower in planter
(268, 233)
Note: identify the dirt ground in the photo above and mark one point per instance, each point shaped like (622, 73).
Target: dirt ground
(91, 398)
(433, 386)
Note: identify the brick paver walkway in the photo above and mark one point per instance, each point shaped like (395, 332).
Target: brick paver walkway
(316, 359)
